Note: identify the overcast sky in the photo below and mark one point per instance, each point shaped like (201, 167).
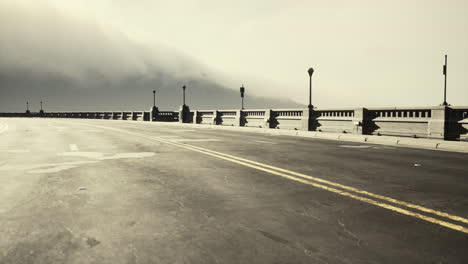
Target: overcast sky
(364, 52)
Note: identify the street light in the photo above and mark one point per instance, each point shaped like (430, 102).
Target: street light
(310, 71)
(154, 110)
(41, 111)
(183, 88)
(242, 90)
(27, 108)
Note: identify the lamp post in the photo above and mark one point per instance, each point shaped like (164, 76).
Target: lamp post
(184, 111)
(41, 111)
(310, 71)
(154, 110)
(242, 90)
(27, 108)
(445, 82)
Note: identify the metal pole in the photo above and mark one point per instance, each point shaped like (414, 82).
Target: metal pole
(242, 90)
(183, 87)
(27, 106)
(154, 98)
(310, 91)
(41, 105)
(445, 82)
(310, 71)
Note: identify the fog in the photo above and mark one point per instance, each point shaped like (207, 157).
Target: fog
(75, 64)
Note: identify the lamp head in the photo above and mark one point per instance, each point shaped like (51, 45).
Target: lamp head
(310, 71)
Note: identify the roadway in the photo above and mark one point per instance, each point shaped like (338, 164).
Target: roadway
(105, 191)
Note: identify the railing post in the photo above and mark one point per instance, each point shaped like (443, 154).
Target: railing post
(238, 121)
(154, 113)
(184, 114)
(437, 124)
(268, 118)
(215, 120)
(195, 117)
(306, 119)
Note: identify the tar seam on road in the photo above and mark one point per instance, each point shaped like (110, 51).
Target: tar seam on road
(282, 172)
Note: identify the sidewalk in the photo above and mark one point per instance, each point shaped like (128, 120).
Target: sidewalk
(434, 144)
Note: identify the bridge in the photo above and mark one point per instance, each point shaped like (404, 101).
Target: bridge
(362, 185)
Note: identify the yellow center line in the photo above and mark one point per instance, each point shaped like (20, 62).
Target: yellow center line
(388, 199)
(281, 172)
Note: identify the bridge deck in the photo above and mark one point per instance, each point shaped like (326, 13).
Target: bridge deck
(105, 191)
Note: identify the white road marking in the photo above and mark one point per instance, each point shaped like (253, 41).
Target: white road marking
(56, 167)
(129, 155)
(73, 147)
(91, 155)
(101, 156)
(266, 142)
(183, 130)
(352, 146)
(194, 140)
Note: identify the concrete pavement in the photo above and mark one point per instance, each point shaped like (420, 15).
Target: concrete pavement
(102, 191)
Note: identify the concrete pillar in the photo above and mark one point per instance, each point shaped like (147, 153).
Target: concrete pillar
(184, 114)
(215, 120)
(154, 113)
(438, 122)
(267, 120)
(238, 120)
(360, 121)
(306, 119)
(195, 117)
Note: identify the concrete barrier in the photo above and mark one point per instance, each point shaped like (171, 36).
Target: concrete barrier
(255, 118)
(228, 117)
(206, 117)
(107, 115)
(293, 119)
(117, 115)
(167, 116)
(438, 122)
(138, 116)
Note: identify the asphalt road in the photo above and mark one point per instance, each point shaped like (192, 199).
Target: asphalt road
(102, 191)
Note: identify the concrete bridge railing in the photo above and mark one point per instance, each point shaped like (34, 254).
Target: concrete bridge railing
(441, 122)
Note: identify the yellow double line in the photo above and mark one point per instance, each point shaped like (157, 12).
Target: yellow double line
(385, 202)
